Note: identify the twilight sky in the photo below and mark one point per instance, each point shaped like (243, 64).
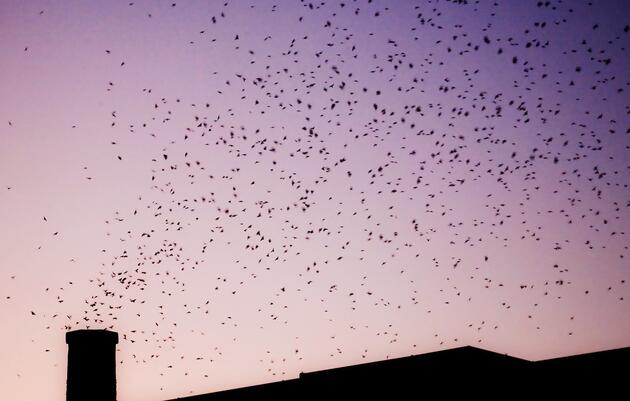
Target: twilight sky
(247, 190)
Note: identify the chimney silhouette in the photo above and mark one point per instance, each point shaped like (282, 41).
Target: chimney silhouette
(91, 365)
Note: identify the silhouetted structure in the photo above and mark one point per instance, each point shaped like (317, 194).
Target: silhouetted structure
(91, 365)
(465, 372)
(459, 373)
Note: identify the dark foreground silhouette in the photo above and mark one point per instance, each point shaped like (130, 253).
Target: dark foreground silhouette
(91, 365)
(460, 373)
(465, 372)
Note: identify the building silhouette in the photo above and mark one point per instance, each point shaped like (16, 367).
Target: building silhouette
(465, 372)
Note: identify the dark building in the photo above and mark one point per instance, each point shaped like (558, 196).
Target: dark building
(465, 372)
(459, 373)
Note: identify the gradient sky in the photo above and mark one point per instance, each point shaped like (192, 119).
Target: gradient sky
(247, 190)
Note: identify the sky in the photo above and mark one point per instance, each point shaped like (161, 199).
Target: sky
(247, 190)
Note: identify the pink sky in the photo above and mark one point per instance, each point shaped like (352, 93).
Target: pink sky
(190, 184)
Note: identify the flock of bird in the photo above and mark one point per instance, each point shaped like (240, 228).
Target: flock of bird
(369, 160)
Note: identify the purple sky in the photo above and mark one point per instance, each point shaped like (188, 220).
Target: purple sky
(249, 190)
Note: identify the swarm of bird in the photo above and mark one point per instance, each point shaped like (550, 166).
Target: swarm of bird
(362, 172)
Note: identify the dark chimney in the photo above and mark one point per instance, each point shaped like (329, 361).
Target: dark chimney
(91, 365)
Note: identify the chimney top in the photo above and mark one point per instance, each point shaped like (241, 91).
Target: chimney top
(91, 336)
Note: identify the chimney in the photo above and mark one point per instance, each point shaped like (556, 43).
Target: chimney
(91, 365)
